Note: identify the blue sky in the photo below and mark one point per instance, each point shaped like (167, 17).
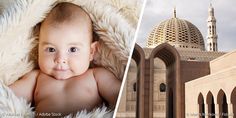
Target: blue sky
(195, 11)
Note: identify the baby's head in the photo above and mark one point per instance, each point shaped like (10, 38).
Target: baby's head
(65, 42)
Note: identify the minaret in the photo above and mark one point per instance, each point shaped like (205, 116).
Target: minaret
(211, 32)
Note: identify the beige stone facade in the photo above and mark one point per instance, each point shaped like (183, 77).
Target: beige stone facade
(215, 91)
(190, 60)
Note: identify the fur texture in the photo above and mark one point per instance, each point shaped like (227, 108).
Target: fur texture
(111, 22)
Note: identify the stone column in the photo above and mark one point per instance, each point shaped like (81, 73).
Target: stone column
(217, 111)
(206, 110)
(230, 111)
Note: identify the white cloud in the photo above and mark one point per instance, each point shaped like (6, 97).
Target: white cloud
(195, 11)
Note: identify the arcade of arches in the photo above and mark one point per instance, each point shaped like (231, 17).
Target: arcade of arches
(160, 84)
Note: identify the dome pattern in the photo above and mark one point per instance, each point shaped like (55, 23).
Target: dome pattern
(177, 32)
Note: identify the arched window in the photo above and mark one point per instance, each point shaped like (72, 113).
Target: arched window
(233, 100)
(201, 106)
(134, 87)
(211, 105)
(213, 46)
(162, 87)
(210, 46)
(223, 107)
(210, 30)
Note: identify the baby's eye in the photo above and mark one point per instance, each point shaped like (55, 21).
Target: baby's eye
(50, 49)
(73, 49)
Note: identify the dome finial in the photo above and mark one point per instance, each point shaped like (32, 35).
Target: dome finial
(174, 12)
(210, 5)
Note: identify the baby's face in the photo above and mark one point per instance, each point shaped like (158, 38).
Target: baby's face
(65, 50)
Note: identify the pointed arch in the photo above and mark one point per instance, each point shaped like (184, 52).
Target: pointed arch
(170, 56)
(139, 57)
(201, 106)
(233, 100)
(211, 105)
(222, 102)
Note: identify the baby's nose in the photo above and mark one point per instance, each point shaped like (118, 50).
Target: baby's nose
(60, 60)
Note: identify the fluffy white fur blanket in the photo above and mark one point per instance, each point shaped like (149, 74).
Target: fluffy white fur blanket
(113, 20)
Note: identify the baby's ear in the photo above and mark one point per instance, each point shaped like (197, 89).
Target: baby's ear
(93, 50)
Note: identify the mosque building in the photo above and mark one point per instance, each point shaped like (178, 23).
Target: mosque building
(175, 76)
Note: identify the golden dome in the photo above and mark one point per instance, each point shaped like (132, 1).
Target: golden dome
(177, 32)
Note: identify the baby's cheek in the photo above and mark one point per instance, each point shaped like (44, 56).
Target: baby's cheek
(45, 64)
(79, 67)
(43, 60)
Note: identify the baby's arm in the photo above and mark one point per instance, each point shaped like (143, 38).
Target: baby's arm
(108, 85)
(24, 87)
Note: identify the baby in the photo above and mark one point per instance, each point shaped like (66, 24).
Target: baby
(65, 83)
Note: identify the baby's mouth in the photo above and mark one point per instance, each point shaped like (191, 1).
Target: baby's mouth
(59, 68)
